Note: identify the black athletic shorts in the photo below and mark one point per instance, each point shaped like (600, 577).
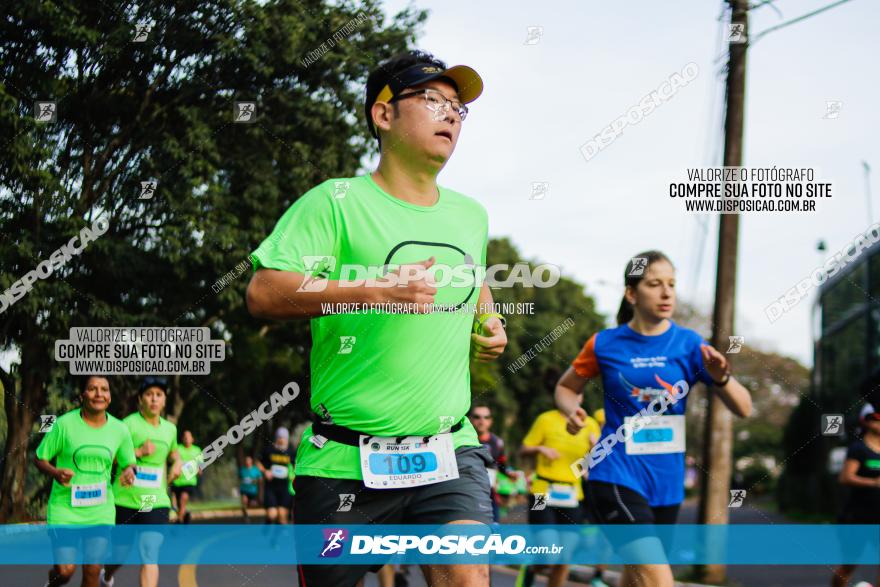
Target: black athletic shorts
(554, 515)
(179, 490)
(149, 541)
(318, 499)
(277, 496)
(617, 504)
(851, 544)
(131, 516)
(610, 503)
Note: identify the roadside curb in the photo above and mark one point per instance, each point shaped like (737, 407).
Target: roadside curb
(220, 514)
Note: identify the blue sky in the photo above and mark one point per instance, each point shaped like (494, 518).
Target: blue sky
(596, 59)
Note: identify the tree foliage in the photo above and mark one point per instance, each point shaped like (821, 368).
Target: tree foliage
(162, 110)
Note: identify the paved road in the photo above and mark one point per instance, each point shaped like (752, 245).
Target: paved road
(221, 576)
(218, 575)
(278, 576)
(777, 575)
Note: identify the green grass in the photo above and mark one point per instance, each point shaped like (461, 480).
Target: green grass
(217, 504)
(800, 516)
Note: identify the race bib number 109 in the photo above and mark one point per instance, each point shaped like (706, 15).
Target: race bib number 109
(389, 464)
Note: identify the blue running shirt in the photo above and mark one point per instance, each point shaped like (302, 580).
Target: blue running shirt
(635, 369)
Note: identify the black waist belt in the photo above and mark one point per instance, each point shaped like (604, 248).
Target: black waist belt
(344, 435)
(556, 482)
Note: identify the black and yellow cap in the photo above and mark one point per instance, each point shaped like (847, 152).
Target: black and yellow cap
(382, 88)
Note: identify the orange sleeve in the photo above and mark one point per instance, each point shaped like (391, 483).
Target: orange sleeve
(585, 364)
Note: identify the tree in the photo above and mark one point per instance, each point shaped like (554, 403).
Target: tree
(520, 385)
(160, 109)
(775, 383)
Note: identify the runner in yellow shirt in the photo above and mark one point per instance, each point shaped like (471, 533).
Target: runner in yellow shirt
(556, 492)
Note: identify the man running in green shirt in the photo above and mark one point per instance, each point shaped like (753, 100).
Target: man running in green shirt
(183, 487)
(146, 500)
(84, 443)
(399, 379)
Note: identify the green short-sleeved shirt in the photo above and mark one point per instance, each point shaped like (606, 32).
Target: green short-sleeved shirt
(89, 453)
(189, 477)
(379, 373)
(152, 470)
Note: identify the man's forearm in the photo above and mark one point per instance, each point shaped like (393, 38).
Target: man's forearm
(276, 295)
(485, 303)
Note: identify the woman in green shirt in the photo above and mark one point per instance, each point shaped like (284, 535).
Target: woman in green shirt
(183, 487)
(84, 443)
(146, 501)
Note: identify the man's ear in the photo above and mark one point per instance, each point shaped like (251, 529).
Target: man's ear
(382, 114)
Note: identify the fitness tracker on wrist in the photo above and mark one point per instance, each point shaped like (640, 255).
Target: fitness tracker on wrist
(481, 319)
(723, 381)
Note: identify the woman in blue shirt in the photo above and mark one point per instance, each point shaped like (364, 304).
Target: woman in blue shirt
(648, 365)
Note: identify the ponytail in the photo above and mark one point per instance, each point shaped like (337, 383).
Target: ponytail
(625, 313)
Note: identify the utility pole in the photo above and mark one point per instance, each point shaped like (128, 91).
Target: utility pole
(718, 433)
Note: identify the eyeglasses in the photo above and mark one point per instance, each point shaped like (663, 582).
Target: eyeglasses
(437, 103)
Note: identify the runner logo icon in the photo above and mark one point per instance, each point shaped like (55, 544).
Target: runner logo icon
(333, 540)
(736, 498)
(638, 266)
(346, 343)
(832, 424)
(540, 501)
(346, 500)
(46, 423)
(736, 343)
(147, 503)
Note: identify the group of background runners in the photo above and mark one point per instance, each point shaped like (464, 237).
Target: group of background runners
(403, 380)
(81, 452)
(85, 446)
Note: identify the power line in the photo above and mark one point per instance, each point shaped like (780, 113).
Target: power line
(795, 20)
(769, 3)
